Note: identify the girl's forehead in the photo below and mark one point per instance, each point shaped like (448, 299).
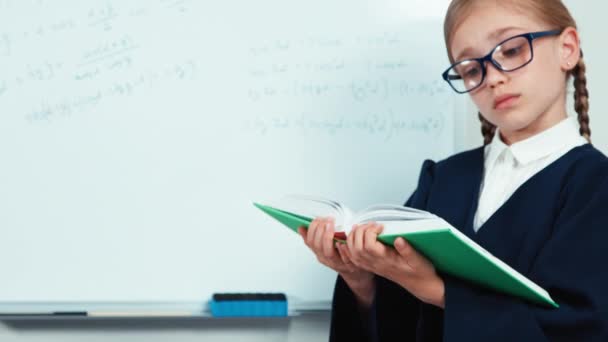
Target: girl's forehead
(487, 25)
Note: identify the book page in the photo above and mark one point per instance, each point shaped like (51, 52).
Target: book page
(390, 212)
(313, 207)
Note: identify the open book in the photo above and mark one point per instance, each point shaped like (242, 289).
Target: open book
(446, 247)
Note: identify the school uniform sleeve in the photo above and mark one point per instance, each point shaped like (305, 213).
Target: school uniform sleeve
(394, 315)
(570, 266)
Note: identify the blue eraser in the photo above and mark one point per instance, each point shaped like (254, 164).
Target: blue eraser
(248, 305)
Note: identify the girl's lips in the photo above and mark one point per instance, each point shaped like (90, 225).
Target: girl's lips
(505, 101)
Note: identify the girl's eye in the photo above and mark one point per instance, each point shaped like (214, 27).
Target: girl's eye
(513, 52)
(471, 72)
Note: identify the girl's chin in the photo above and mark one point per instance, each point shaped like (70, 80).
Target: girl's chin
(512, 122)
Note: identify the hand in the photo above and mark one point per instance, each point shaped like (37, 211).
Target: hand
(402, 264)
(320, 239)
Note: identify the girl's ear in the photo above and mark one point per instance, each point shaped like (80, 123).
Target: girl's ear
(570, 49)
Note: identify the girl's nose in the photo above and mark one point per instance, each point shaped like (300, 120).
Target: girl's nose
(495, 76)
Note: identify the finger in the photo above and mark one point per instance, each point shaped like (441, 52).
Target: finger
(312, 229)
(317, 242)
(370, 238)
(350, 244)
(329, 250)
(303, 232)
(377, 228)
(406, 251)
(343, 252)
(358, 238)
(350, 238)
(346, 251)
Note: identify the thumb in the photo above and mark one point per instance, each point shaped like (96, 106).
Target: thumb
(404, 248)
(411, 256)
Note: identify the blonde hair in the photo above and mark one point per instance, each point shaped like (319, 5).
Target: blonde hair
(552, 12)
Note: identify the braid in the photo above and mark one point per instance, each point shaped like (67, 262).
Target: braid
(581, 98)
(487, 129)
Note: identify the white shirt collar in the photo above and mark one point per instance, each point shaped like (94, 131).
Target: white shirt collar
(540, 145)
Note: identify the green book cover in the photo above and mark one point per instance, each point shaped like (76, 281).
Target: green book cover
(452, 253)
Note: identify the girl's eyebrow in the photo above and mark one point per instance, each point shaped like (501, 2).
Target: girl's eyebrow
(466, 52)
(492, 36)
(500, 32)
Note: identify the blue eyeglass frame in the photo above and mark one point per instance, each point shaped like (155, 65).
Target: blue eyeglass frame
(531, 36)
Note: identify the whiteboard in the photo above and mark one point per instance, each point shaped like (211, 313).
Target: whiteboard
(134, 136)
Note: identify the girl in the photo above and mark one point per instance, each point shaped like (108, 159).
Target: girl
(535, 196)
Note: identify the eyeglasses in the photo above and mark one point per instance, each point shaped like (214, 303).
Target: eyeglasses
(509, 55)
